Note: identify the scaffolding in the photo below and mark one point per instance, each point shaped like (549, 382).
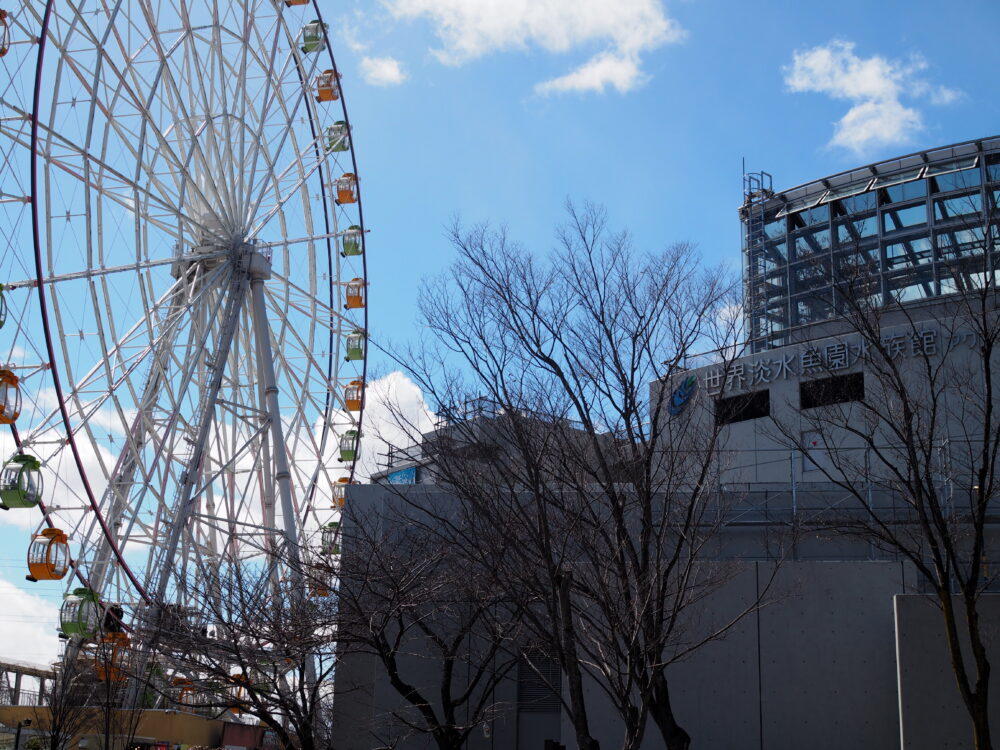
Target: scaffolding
(757, 191)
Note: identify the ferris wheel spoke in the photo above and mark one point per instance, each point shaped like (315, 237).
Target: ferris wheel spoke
(306, 352)
(92, 381)
(124, 195)
(296, 187)
(293, 63)
(162, 146)
(179, 102)
(124, 90)
(324, 314)
(130, 267)
(270, 94)
(89, 160)
(199, 75)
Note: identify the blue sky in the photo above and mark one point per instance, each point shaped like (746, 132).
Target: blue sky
(468, 108)
(500, 110)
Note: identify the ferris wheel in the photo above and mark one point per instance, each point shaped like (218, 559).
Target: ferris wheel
(184, 299)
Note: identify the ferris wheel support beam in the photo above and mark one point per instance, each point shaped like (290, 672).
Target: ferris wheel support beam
(282, 471)
(116, 494)
(206, 418)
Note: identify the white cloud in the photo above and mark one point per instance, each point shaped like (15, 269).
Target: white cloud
(28, 626)
(605, 69)
(351, 36)
(875, 86)
(382, 71)
(395, 415)
(469, 29)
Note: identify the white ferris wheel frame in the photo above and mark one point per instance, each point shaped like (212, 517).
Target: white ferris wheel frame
(224, 398)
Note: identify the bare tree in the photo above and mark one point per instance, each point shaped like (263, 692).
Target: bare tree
(444, 638)
(258, 645)
(119, 683)
(68, 712)
(586, 480)
(916, 447)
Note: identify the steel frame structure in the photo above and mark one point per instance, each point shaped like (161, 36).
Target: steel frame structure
(176, 287)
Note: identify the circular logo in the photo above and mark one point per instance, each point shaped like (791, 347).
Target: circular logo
(680, 398)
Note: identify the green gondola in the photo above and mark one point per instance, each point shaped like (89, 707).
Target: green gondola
(338, 137)
(350, 241)
(349, 445)
(313, 39)
(80, 614)
(21, 482)
(330, 539)
(356, 345)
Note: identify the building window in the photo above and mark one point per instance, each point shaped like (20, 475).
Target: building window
(904, 192)
(993, 170)
(909, 253)
(828, 391)
(810, 217)
(858, 204)
(961, 242)
(538, 683)
(904, 218)
(855, 231)
(950, 208)
(742, 408)
(775, 229)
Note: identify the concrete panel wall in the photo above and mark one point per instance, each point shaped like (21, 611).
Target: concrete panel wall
(931, 709)
(827, 661)
(813, 669)
(816, 668)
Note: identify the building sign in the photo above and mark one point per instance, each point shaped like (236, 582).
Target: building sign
(681, 397)
(829, 356)
(403, 476)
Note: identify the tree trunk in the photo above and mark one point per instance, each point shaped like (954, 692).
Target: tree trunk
(447, 738)
(574, 679)
(981, 725)
(980, 703)
(674, 736)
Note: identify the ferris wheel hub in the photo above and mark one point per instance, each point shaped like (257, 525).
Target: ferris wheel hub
(255, 263)
(246, 257)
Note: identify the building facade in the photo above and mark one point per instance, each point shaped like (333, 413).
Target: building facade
(901, 229)
(848, 652)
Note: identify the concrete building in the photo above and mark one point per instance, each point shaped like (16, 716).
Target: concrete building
(850, 653)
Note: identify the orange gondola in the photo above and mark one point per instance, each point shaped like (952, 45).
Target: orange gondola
(327, 86)
(48, 556)
(355, 294)
(10, 397)
(347, 189)
(112, 657)
(4, 33)
(340, 492)
(354, 394)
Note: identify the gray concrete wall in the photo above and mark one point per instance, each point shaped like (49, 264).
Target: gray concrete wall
(815, 668)
(368, 711)
(933, 715)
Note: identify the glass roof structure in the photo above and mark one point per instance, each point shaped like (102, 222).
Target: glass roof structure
(912, 228)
